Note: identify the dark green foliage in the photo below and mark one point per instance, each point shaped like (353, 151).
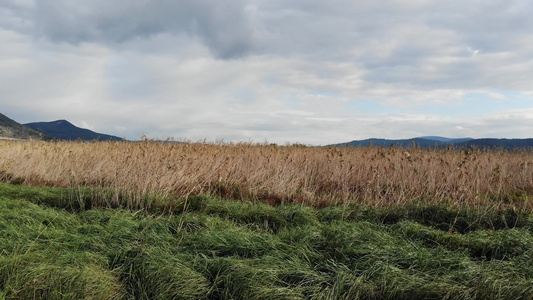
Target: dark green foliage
(207, 248)
(72, 199)
(440, 217)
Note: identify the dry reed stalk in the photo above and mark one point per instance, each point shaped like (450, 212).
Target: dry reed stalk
(275, 174)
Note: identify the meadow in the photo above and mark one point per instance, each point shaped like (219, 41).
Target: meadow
(221, 249)
(153, 220)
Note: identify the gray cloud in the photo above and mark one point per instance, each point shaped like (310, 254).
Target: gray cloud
(307, 71)
(427, 44)
(223, 26)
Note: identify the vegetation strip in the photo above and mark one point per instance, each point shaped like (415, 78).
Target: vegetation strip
(219, 249)
(138, 175)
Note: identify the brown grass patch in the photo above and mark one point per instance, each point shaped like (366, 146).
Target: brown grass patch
(275, 174)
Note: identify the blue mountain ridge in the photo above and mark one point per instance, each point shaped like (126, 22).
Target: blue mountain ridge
(443, 142)
(64, 130)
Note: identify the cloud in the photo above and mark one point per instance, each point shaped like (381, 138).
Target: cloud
(497, 96)
(225, 27)
(299, 71)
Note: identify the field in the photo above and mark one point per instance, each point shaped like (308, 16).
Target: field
(136, 175)
(195, 221)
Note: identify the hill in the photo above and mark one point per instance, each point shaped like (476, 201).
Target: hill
(211, 248)
(423, 142)
(442, 142)
(445, 139)
(64, 130)
(12, 130)
(508, 144)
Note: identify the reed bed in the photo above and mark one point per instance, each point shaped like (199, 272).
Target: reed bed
(139, 174)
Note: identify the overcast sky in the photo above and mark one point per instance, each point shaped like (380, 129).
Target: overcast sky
(313, 72)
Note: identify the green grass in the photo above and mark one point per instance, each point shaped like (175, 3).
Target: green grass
(208, 248)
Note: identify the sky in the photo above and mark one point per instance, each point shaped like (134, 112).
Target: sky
(299, 71)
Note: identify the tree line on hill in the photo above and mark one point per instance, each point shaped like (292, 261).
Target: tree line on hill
(441, 142)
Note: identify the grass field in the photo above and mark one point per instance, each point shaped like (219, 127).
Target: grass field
(195, 221)
(218, 249)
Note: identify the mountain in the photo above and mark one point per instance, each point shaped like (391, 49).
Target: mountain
(64, 130)
(436, 138)
(507, 144)
(445, 139)
(420, 142)
(442, 142)
(13, 130)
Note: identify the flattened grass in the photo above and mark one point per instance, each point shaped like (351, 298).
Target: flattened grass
(208, 248)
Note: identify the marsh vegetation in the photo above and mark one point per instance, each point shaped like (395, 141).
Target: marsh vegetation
(132, 174)
(220, 249)
(115, 220)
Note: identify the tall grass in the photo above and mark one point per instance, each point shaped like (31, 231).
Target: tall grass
(219, 249)
(136, 175)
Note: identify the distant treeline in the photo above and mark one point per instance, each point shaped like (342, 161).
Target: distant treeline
(487, 143)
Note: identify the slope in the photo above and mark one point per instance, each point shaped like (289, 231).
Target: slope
(10, 129)
(64, 130)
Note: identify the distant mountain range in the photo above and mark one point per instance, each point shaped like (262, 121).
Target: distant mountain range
(64, 130)
(443, 142)
(61, 130)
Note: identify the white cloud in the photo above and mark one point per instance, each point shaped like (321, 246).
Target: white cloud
(497, 96)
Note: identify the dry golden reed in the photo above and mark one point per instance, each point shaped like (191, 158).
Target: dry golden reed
(275, 174)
